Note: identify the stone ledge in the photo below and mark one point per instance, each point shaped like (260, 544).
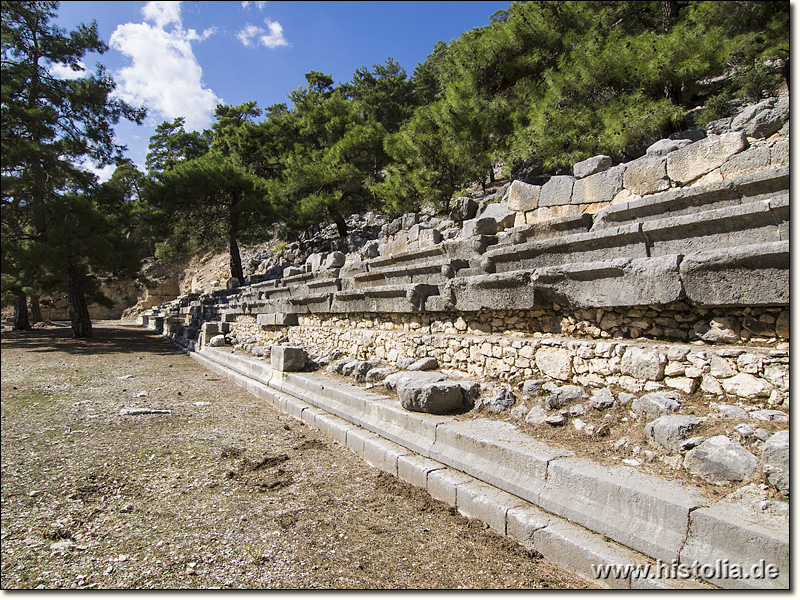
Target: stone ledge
(499, 451)
(755, 275)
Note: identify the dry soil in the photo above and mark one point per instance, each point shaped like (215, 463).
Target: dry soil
(222, 491)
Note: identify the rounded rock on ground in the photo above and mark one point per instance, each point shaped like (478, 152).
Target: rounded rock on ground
(720, 460)
(424, 364)
(564, 395)
(670, 431)
(500, 402)
(602, 399)
(657, 404)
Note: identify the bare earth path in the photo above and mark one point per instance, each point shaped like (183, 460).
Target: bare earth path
(223, 491)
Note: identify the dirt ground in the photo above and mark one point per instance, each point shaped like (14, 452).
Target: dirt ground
(223, 491)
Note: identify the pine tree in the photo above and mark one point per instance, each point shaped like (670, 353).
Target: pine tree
(51, 126)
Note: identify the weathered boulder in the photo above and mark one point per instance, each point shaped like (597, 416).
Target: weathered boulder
(775, 461)
(523, 196)
(428, 393)
(500, 402)
(424, 364)
(719, 330)
(533, 387)
(480, 226)
(745, 385)
(499, 211)
(665, 146)
(464, 209)
(720, 460)
(564, 395)
(670, 431)
(334, 260)
(217, 341)
(361, 369)
(378, 374)
(602, 399)
(536, 416)
(657, 404)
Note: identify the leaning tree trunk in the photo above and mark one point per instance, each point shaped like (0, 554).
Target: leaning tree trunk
(78, 309)
(21, 321)
(341, 225)
(36, 309)
(236, 258)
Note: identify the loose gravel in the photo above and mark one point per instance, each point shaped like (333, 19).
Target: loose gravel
(127, 465)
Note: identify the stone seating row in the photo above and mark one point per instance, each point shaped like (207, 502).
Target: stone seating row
(723, 243)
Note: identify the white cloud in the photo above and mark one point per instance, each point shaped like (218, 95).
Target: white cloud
(164, 74)
(162, 13)
(259, 5)
(252, 36)
(63, 71)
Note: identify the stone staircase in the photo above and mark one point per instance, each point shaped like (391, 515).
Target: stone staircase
(607, 279)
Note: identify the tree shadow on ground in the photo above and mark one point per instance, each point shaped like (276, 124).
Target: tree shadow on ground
(107, 338)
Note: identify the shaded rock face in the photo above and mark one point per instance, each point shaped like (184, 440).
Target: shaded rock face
(500, 402)
(775, 461)
(529, 171)
(670, 431)
(720, 460)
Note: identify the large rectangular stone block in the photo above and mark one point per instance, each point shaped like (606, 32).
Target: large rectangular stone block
(625, 241)
(754, 275)
(610, 283)
(645, 513)
(498, 453)
(477, 500)
(693, 161)
(582, 553)
(492, 291)
(288, 358)
(443, 483)
(717, 229)
(557, 191)
(730, 533)
(414, 469)
(382, 454)
(333, 427)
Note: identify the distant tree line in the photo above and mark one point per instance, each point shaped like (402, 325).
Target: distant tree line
(553, 82)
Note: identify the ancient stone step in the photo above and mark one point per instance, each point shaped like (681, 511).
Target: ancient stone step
(625, 241)
(750, 223)
(765, 185)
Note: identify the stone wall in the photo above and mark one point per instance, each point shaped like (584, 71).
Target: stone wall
(682, 255)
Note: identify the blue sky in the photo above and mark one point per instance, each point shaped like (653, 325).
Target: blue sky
(183, 58)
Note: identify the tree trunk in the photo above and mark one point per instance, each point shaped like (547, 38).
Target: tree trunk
(21, 321)
(669, 14)
(341, 225)
(236, 258)
(36, 309)
(78, 309)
